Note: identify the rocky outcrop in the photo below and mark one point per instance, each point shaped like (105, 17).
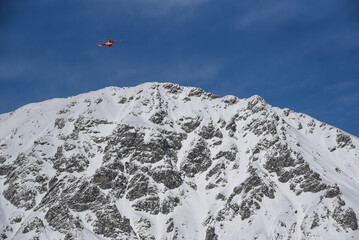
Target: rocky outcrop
(197, 160)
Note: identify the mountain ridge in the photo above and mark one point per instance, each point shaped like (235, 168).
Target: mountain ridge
(162, 161)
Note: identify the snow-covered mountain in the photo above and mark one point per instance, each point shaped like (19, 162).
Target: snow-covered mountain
(162, 161)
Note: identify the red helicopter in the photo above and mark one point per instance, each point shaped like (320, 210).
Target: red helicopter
(109, 42)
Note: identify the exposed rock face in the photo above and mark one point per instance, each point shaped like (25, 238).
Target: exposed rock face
(197, 160)
(162, 161)
(210, 234)
(60, 219)
(252, 190)
(170, 178)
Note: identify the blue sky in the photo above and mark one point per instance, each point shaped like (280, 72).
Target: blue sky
(300, 54)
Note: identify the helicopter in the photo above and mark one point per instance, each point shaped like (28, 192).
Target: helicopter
(109, 42)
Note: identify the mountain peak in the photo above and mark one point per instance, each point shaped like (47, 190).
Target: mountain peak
(163, 161)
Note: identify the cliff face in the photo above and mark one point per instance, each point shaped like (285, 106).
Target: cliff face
(162, 161)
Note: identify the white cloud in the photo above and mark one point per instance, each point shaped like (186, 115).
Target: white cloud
(342, 86)
(349, 99)
(192, 70)
(12, 69)
(268, 13)
(182, 3)
(181, 9)
(176, 9)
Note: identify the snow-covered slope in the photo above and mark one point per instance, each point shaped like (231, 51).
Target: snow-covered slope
(161, 161)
